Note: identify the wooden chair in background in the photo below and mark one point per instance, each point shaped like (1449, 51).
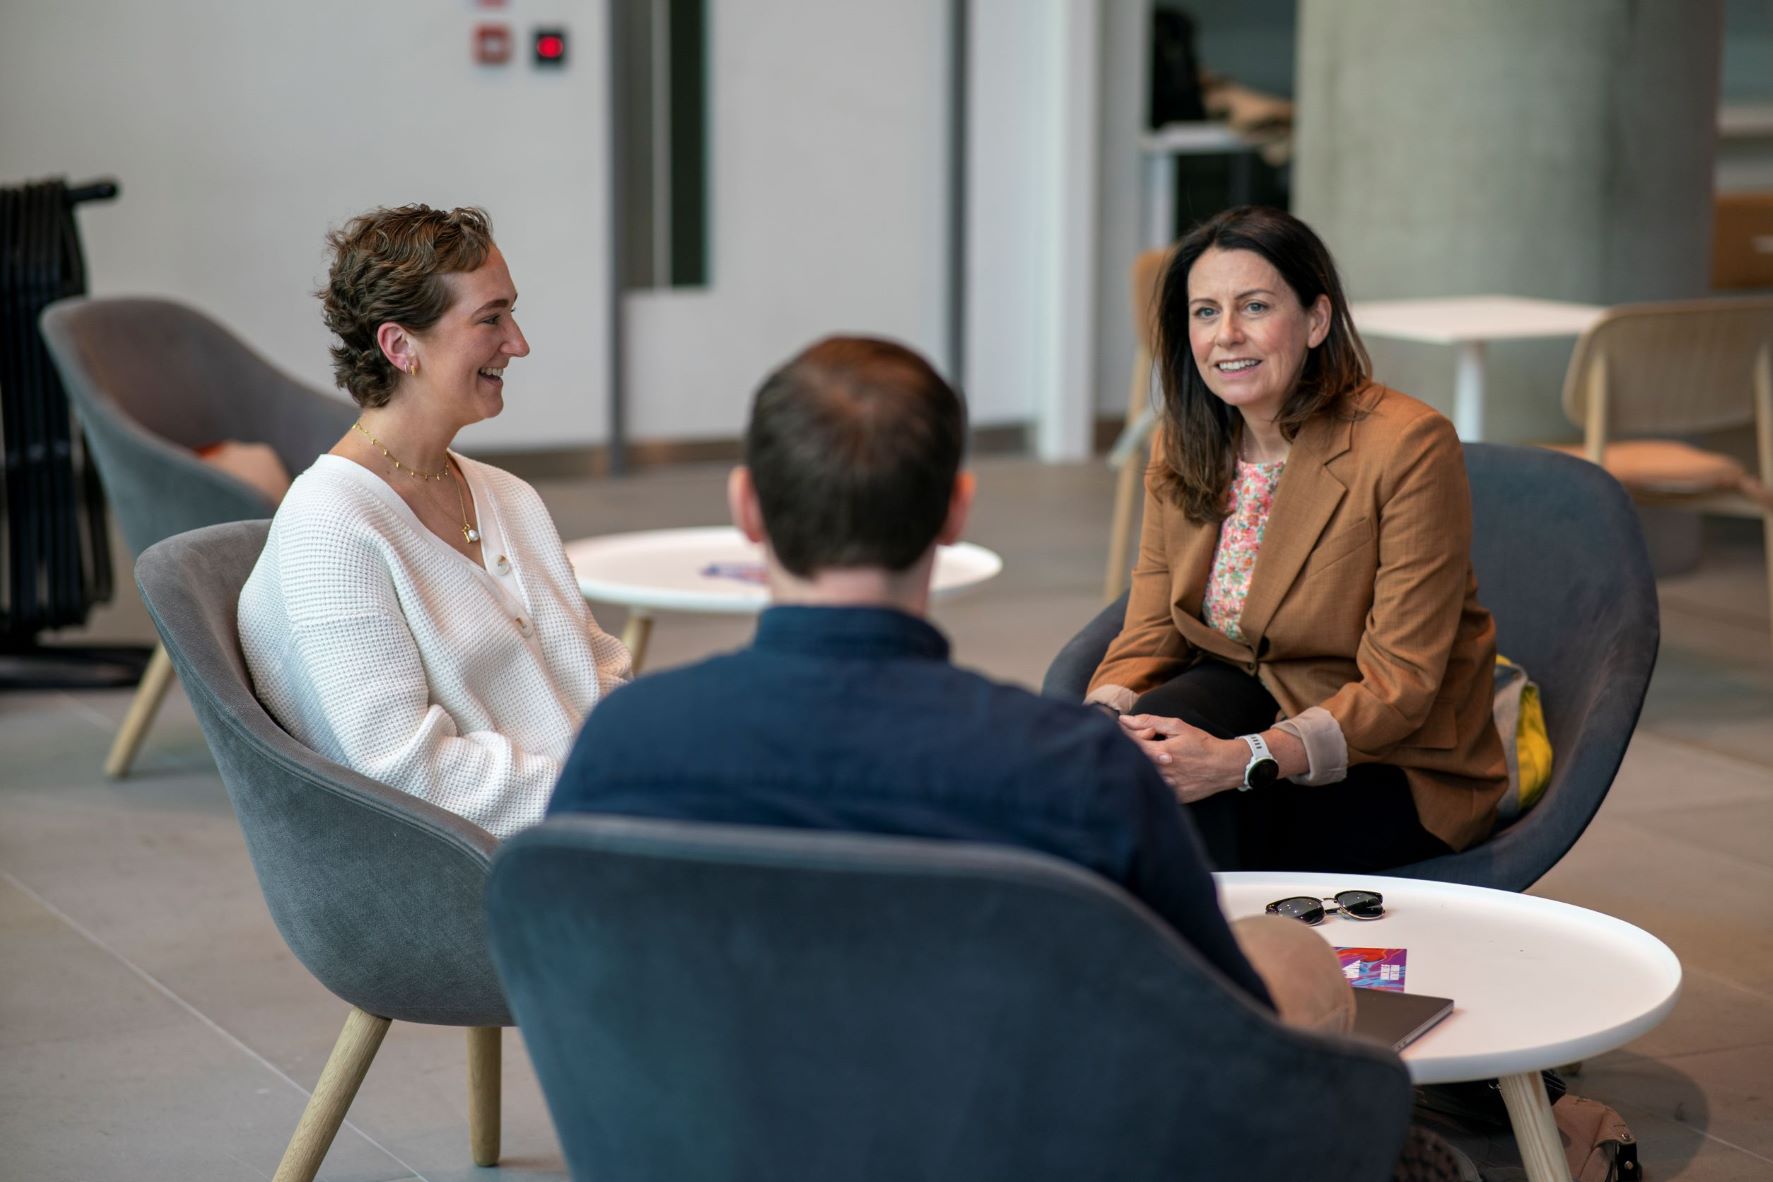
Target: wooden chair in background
(1129, 451)
(1647, 377)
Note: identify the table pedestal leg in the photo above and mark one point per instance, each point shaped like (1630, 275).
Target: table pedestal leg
(1542, 1152)
(1468, 391)
(1160, 199)
(635, 635)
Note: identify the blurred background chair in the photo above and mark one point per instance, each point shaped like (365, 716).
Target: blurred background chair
(716, 1002)
(1647, 375)
(1561, 564)
(1129, 451)
(152, 382)
(378, 893)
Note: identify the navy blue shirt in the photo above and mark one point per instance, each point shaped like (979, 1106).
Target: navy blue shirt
(853, 719)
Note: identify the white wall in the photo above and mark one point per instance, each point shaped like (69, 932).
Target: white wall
(829, 129)
(1032, 171)
(242, 131)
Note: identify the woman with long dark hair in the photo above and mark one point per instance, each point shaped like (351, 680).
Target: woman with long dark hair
(1304, 655)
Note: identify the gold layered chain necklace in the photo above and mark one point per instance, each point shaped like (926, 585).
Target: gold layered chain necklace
(470, 533)
(415, 473)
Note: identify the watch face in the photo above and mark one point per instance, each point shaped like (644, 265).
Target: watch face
(1262, 773)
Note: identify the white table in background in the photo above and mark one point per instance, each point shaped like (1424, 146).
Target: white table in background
(1469, 324)
(700, 570)
(1535, 983)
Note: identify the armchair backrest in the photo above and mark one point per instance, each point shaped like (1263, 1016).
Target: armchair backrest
(1562, 566)
(720, 1002)
(152, 380)
(377, 892)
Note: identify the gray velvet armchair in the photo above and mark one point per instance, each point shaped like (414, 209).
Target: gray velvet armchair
(1561, 565)
(378, 893)
(152, 381)
(716, 1003)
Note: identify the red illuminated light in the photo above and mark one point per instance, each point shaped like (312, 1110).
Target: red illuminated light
(550, 47)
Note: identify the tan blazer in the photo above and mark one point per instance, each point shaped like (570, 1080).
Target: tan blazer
(1363, 601)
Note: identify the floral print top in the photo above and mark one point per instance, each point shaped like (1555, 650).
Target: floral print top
(1240, 538)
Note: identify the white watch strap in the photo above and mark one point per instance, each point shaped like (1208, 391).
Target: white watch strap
(1258, 751)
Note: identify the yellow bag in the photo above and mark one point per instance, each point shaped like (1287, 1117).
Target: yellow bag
(1520, 720)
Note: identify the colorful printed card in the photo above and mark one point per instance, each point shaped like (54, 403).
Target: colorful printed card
(1374, 968)
(744, 572)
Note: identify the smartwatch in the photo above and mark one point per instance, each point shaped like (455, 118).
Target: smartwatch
(1262, 770)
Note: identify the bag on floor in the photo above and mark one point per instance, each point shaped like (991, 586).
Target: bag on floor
(1598, 1144)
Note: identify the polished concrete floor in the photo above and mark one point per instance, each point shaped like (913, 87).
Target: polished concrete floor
(153, 1026)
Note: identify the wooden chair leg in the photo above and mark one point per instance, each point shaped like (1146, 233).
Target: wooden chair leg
(1126, 488)
(339, 1080)
(484, 1047)
(1767, 541)
(146, 703)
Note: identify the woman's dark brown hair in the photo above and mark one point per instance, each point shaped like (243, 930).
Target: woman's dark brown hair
(388, 265)
(1200, 432)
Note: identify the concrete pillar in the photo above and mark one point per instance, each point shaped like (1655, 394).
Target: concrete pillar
(1561, 150)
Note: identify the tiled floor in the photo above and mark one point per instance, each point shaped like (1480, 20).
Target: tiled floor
(153, 1026)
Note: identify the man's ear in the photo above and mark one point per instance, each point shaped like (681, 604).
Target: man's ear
(396, 345)
(960, 503)
(741, 502)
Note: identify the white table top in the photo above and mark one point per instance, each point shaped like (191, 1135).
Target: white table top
(1205, 136)
(1462, 319)
(1535, 983)
(715, 570)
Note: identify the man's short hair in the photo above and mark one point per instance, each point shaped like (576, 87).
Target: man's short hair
(853, 448)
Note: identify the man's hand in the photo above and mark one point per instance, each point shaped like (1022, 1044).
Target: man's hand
(1193, 763)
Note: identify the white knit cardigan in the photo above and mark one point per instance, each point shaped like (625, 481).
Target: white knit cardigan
(377, 644)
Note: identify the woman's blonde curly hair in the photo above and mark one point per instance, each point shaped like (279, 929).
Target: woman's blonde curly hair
(388, 265)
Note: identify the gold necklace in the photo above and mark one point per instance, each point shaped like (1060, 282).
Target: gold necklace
(469, 532)
(398, 466)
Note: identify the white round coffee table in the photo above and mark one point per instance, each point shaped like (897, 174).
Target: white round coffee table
(714, 570)
(1535, 983)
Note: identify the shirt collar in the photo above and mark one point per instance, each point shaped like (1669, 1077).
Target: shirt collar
(876, 632)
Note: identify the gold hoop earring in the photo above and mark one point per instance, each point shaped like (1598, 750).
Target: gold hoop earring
(412, 368)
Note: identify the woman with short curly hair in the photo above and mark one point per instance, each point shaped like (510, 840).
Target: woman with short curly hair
(413, 615)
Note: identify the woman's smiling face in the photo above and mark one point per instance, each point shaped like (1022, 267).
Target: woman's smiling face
(1248, 332)
(462, 357)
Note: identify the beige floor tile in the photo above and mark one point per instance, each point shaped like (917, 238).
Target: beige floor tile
(1724, 1094)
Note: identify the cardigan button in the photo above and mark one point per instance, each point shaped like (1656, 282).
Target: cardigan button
(504, 565)
(525, 627)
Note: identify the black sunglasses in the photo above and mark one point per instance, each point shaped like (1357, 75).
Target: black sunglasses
(1311, 909)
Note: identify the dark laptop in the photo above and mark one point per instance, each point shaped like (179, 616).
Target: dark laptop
(1396, 1019)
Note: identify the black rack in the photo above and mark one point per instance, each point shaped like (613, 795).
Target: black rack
(55, 559)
